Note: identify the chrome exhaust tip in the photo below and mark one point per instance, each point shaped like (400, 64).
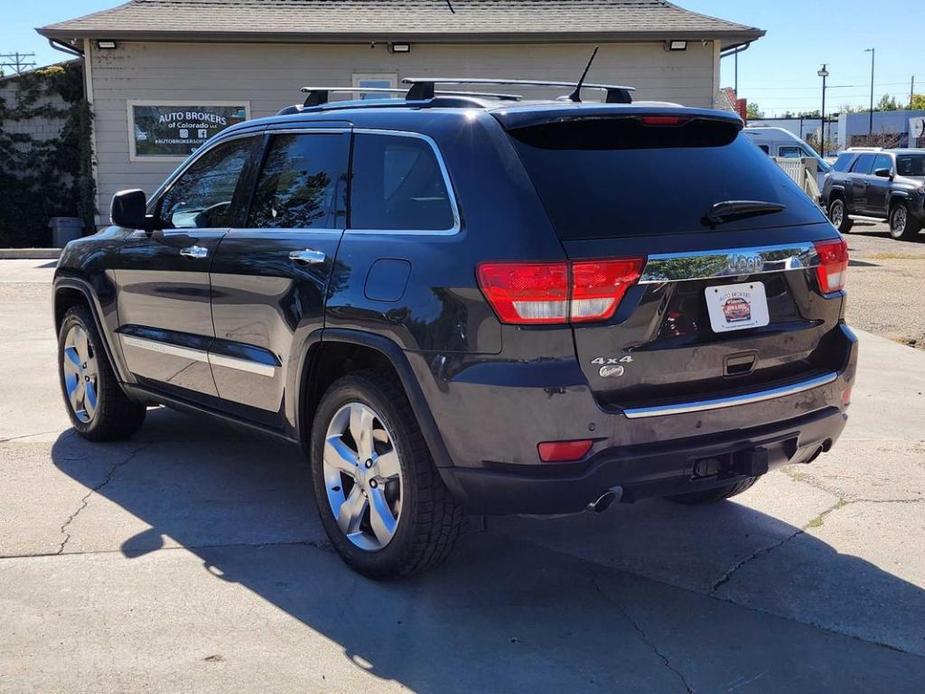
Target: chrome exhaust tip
(605, 500)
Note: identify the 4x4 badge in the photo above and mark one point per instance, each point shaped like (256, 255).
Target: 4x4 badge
(612, 360)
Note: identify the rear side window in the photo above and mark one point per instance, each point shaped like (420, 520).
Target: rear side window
(791, 152)
(299, 182)
(397, 184)
(844, 161)
(619, 177)
(864, 164)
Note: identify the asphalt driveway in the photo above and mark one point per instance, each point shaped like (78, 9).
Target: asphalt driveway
(190, 559)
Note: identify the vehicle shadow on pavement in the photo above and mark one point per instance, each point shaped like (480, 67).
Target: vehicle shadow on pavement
(652, 597)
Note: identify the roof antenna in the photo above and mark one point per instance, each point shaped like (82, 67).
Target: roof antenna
(576, 95)
(450, 5)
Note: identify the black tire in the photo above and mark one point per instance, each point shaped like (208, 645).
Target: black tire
(430, 519)
(115, 416)
(711, 496)
(838, 214)
(903, 226)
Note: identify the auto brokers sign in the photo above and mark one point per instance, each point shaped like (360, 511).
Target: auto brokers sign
(172, 130)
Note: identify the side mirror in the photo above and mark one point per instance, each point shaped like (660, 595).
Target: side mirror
(883, 173)
(128, 210)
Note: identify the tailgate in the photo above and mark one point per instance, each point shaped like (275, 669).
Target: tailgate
(729, 298)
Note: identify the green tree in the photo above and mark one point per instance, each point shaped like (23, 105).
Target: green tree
(917, 102)
(887, 103)
(754, 111)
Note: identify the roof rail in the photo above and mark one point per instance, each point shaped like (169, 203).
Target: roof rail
(424, 87)
(318, 96)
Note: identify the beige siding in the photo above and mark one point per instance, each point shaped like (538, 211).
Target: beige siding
(269, 76)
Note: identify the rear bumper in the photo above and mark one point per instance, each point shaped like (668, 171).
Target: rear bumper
(651, 470)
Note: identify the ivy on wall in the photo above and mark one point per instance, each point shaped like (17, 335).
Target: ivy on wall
(44, 178)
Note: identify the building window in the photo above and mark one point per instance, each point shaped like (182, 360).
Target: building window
(385, 80)
(172, 130)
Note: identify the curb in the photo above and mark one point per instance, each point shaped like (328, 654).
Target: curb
(29, 253)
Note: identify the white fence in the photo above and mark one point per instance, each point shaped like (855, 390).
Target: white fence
(804, 173)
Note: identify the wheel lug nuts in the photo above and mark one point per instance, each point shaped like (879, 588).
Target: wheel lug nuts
(373, 484)
(369, 463)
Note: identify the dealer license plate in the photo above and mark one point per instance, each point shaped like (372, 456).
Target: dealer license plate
(737, 306)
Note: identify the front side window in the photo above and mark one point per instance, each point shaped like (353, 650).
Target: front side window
(397, 184)
(883, 161)
(202, 197)
(299, 182)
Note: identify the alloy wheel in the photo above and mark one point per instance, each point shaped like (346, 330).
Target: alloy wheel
(898, 221)
(362, 476)
(81, 374)
(837, 214)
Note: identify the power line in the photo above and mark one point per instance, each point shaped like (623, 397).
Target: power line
(17, 61)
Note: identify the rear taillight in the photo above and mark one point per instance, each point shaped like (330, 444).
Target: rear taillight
(556, 293)
(833, 265)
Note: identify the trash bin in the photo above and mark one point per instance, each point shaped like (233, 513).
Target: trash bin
(64, 229)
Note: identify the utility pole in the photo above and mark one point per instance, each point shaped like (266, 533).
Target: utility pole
(912, 91)
(873, 53)
(17, 61)
(823, 73)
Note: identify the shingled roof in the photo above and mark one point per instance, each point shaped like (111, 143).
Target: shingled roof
(410, 20)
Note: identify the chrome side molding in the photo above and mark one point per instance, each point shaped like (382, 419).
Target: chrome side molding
(731, 401)
(254, 367)
(732, 262)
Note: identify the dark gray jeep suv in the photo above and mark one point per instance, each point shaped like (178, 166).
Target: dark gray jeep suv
(469, 303)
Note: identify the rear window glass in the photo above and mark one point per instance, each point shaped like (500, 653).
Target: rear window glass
(397, 184)
(605, 178)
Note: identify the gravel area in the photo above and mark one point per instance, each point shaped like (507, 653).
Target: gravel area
(886, 284)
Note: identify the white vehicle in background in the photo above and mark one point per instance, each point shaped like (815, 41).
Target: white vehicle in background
(779, 142)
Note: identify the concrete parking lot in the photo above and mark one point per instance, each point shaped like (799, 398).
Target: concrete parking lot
(190, 559)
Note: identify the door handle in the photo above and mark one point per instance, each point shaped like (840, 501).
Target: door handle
(195, 252)
(307, 257)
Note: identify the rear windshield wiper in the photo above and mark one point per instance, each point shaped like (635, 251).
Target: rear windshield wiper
(730, 210)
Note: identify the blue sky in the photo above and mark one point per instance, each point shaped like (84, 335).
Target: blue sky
(778, 72)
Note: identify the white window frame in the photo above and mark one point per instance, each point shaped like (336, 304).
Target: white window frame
(129, 114)
(390, 77)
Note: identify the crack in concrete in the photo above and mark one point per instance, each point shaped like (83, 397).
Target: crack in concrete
(644, 637)
(805, 478)
(320, 545)
(86, 499)
(816, 522)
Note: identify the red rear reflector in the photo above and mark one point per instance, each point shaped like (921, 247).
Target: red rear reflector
(563, 451)
(846, 396)
(554, 293)
(664, 121)
(833, 265)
